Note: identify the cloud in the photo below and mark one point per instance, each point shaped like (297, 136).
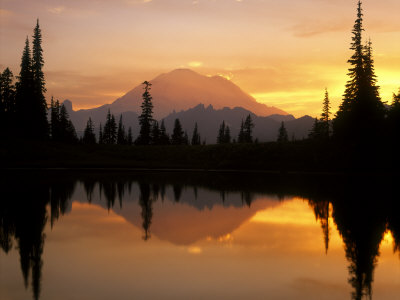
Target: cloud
(195, 64)
(309, 29)
(56, 10)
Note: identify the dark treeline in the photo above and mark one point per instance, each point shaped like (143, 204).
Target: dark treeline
(362, 132)
(23, 213)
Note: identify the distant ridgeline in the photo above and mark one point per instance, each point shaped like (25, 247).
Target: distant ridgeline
(362, 132)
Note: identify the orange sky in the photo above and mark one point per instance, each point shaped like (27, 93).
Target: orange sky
(284, 53)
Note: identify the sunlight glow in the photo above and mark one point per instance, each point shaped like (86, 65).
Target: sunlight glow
(295, 212)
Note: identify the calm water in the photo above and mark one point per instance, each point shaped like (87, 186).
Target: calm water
(198, 236)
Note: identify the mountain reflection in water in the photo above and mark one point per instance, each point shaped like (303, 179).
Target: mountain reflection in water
(363, 209)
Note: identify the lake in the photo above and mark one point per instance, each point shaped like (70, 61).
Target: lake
(198, 235)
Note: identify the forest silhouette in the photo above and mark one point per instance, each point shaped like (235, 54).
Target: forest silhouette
(362, 132)
(361, 216)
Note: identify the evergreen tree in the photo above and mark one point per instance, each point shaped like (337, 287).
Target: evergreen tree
(146, 118)
(110, 130)
(39, 89)
(325, 116)
(101, 138)
(360, 116)
(164, 138)
(321, 128)
(155, 133)
(185, 139)
(24, 88)
(394, 122)
(177, 137)
(241, 136)
(55, 120)
(67, 129)
(248, 129)
(129, 137)
(89, 136)
(282, 134)
(7, 103)
(227, 135)
(121, 136)
(7, 92)
(196, 140)
(221, 134)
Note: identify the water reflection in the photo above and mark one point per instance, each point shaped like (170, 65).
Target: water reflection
(362, 209)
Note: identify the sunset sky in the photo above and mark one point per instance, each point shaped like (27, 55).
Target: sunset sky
(284, 53)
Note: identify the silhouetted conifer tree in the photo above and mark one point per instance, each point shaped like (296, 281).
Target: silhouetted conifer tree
(24, 88)
(196, 140)
(67, 129)
(185, 138)
(129, 138)
(121, 135)
(39, 89)
(146, 118)
(55, 130)
(7, 103)
(101, 138)
(177, 137)
(321, 128)
(89, 136)
(282, 134)
(248, 130)
(110, 130)
(155, 133)
(241, 136)
(360, 116)
(394, 122)
(221, 134)
(227, 135)
(164, 138)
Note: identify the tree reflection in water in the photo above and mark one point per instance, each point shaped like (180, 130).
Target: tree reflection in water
(361, 215)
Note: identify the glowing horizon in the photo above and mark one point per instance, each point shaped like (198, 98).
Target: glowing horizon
(283, 54)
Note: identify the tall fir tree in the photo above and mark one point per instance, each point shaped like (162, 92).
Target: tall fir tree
(24, 87)
(39, 89)
(185, 138)
(129, 137)
(177, 137)
(7, 103)
(101, 135)
(55, 120)
(227, 135)
(146, 117)
(155, 133)
(164, 137)
(394, 124)
(321, 129)
(360, 117)
(89, 137)
(241, 136)
(196, 140)
(248, 129)
(110, 130)
(67, 129)
(282, 134)
(121, 135)
(221, 133)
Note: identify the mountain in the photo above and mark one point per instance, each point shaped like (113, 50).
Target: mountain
(182, 89)
(209, 119)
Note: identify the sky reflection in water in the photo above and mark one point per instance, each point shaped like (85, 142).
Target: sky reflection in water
(160, 240)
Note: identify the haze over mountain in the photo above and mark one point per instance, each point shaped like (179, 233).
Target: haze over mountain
(182, 89)
(179, 90)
